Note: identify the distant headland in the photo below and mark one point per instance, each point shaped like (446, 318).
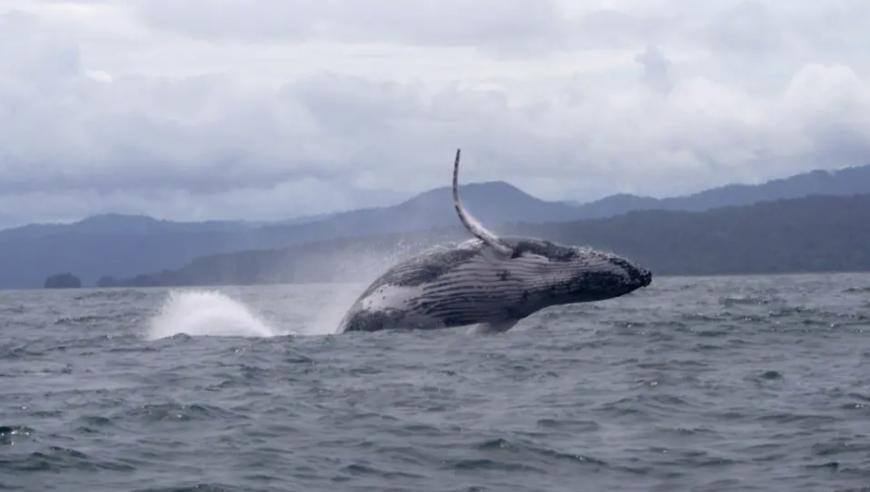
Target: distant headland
(62, 281)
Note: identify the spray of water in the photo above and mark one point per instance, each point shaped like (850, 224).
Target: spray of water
(327, 315)
(317, 311)
(211, 313)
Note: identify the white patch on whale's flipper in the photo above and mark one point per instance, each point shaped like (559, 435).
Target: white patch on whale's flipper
(470, 223)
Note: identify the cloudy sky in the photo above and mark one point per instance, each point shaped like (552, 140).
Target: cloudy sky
(270, 109)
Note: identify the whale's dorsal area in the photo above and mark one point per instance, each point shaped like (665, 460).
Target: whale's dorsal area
(443, 287)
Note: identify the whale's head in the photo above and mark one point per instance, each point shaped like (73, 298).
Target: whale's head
(563, 274)
(555, 274)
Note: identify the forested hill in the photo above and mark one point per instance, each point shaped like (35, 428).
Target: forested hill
(813, 234)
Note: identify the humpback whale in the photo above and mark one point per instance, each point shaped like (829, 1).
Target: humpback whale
(489, 280)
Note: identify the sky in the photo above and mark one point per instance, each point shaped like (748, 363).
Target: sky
(271, 109)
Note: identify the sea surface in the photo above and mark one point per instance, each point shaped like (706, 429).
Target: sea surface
(702, 383)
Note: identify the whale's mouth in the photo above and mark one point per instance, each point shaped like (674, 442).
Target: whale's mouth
(635, 276)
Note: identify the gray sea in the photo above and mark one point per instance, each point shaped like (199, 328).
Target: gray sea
(703, 383)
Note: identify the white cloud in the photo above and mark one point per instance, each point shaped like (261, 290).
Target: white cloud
(490, 23)
(232, 109)
(656, 69)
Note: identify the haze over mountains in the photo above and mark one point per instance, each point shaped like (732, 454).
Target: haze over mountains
(124, 246)
(848, 181)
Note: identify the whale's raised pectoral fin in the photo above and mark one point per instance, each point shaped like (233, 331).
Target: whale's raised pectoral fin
(491, 327)
(470, 223)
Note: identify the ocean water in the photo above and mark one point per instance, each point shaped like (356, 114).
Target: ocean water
(723, 383)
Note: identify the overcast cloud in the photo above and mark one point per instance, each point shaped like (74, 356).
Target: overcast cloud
(272, 109)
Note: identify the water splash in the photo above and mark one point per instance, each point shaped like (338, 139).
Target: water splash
(206, 313)
(332, 306)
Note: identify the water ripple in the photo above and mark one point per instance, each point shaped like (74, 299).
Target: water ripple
(726, 383)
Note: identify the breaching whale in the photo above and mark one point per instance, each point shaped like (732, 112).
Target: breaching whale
(491, 281)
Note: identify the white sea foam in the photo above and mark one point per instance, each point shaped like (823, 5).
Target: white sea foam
(206, 313)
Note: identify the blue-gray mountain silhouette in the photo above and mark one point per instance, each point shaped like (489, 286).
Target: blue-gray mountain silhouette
(849, 181)
(123, 245)
(810, 234)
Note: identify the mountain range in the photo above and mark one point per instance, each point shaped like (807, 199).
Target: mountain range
(810, 234)
(123, 246)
